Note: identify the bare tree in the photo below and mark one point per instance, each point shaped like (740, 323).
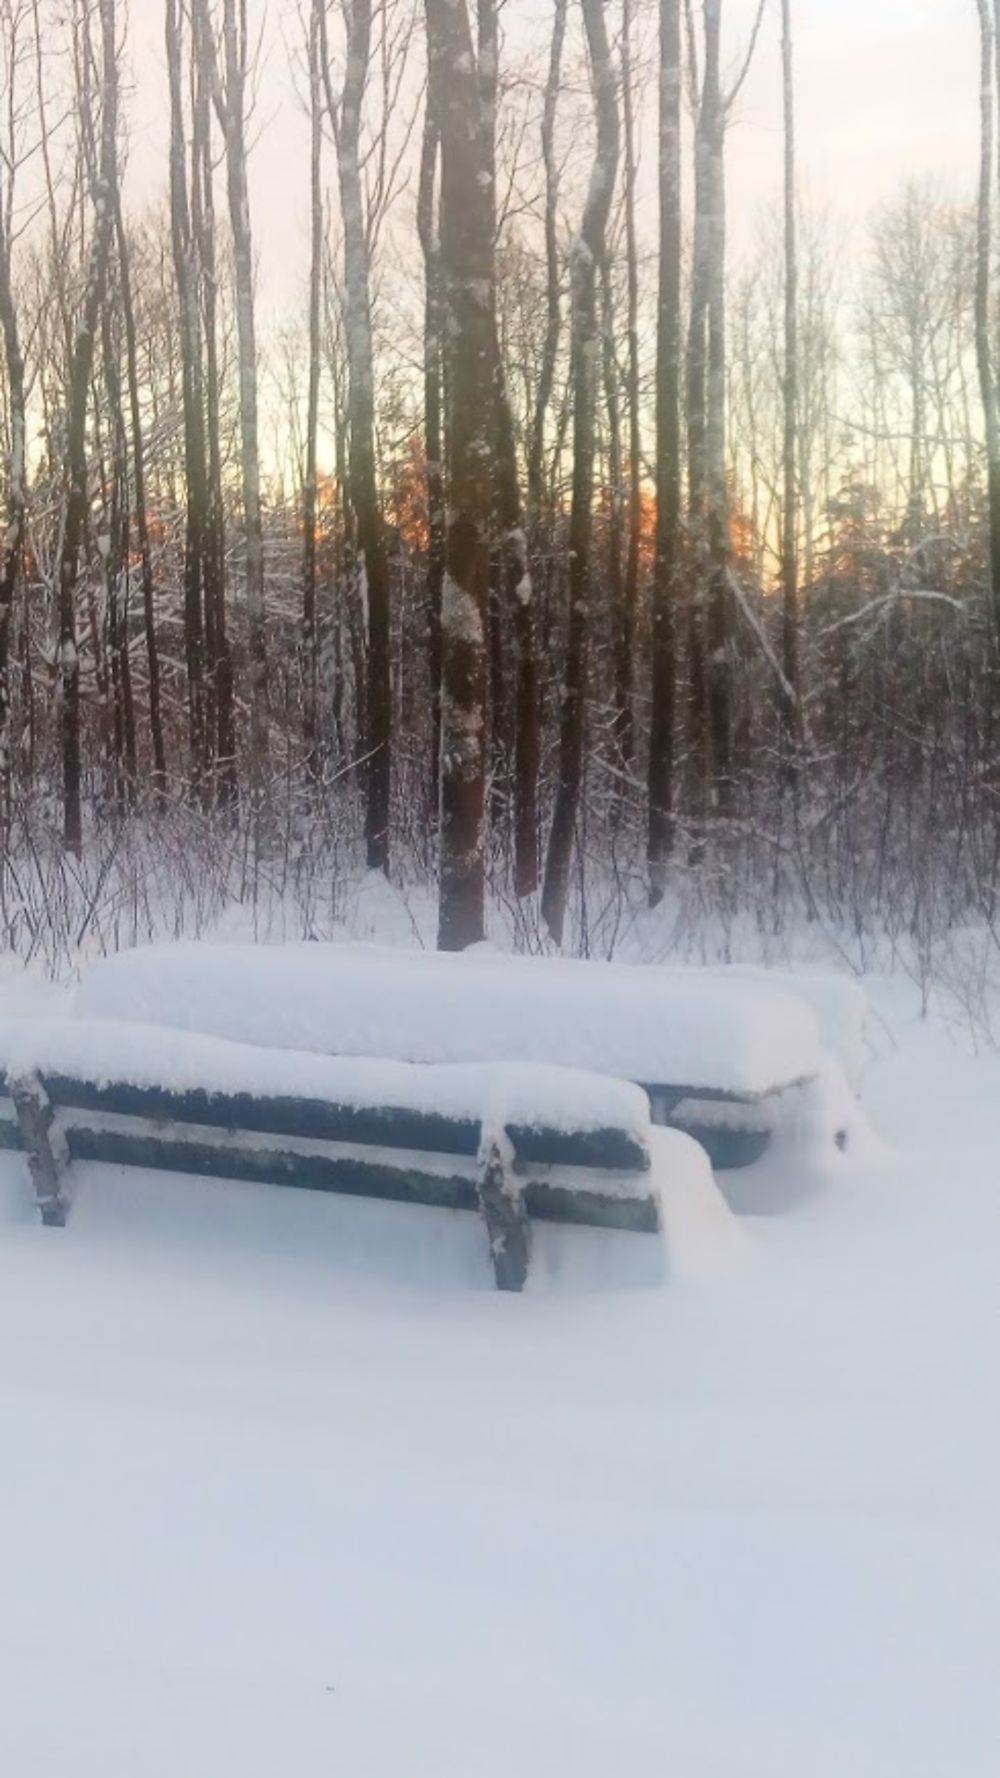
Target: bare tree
(373, 566)
(310, 641)
(13, 22)
(427, 227)
(229, 92)
(668, 455)
(75, 469)
(588, 252)
(467, 269)
(984, 355)
(790, 503)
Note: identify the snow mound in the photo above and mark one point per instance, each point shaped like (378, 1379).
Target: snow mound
(688, 1027)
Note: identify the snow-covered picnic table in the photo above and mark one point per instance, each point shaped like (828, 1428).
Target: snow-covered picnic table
(719, 1051)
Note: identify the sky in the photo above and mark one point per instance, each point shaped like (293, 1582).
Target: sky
(886, 90)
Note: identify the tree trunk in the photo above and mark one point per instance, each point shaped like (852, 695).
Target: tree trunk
(76, 500)
(373, 565)
(12, 547)
(467, 269)
(588, 252)
(433, 441)
(310, 639)
(229, 94)
(625, 722)
(790, 505)
(139, 501)
(668, 455)
(192, 400)
(553, 308)
(984, 355)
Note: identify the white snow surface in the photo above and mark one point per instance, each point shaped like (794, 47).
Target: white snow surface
(689, 1027)
(286, 1488)
(102, 1050)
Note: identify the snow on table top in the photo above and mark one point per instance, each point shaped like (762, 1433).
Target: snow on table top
(102, 1051)
(679, 1026)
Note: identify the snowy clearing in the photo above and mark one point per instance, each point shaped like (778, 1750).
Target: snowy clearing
(285, 1490)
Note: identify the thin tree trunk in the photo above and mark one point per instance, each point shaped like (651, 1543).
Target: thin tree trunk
(139, 501)
(718, 625)
(373, 565)
(625, 720)
(984, 355)
(790, 504)
(553, 309)
(192, 399)
(433, 441)
(668, 456)
(588, 252)
(12, 548)
(220, 664)
(310, 639)
(75, 513)
(467, 268)
(229, 94)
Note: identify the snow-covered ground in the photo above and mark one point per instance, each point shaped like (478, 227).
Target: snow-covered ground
(281, 1491)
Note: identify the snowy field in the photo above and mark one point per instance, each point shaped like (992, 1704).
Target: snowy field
(283, 1491)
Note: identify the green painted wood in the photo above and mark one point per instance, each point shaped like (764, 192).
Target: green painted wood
(174, 1152)
(376, 1126)
(611, 1150)
(590, 1207)
(356, 1177)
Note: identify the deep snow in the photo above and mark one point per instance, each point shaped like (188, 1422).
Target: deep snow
(280, 1492)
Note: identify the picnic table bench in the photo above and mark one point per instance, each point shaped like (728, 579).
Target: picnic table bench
(515, 1143)
(718, 1053)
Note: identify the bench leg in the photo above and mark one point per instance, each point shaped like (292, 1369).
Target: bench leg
(35, 1115)
(507, 1225)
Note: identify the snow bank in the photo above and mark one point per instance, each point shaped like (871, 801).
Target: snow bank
(689, 1027)
(102, 1051)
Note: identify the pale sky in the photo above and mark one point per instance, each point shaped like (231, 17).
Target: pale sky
(886, 90)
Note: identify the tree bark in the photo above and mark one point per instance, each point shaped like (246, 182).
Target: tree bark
(76, 499)
(467, 267)
(192, 400)
(12, 547)
(373, 565)
(790, 504)
(668, 456)
(588, 252)
(229, 94)
(984, 354)
(433, 440)
(310, 639)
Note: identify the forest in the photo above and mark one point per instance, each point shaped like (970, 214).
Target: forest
(551, 554)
